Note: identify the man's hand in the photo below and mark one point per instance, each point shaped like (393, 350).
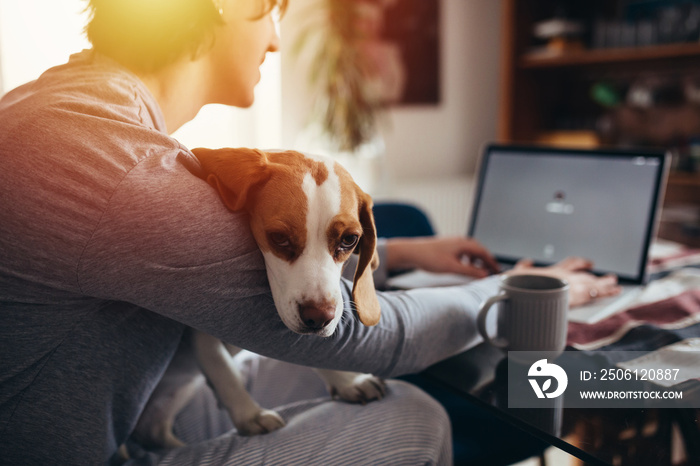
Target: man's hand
(442, 255)
(583, 285)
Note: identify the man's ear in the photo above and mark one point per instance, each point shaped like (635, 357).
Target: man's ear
(233, 172)
(363, 291)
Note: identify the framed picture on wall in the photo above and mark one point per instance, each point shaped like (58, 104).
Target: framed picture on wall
(415, 26)
(404, 49)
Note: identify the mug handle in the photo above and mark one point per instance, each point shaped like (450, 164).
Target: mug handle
(481, 320)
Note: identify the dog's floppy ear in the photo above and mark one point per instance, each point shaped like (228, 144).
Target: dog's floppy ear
(233, 172)
(363, 292)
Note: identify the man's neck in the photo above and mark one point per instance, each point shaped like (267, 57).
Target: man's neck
(179, 90)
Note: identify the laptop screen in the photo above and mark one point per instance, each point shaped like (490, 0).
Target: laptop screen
(547, 204)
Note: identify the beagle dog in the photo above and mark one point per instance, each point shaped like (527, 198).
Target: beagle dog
(307, 216)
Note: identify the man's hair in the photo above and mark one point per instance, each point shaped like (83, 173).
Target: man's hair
(147, 35)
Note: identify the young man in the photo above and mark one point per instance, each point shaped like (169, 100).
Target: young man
(110, 245)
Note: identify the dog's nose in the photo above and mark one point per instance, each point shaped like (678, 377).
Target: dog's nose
(316, 315)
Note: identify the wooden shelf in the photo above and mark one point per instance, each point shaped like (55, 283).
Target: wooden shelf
(684, 178)
(683, 188)
(605, 56)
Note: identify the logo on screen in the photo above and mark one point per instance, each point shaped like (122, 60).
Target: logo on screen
(547, 371)
(559, 204)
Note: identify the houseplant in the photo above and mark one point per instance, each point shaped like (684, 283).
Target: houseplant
(354, 74)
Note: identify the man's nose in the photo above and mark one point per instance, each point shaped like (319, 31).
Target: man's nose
(274, 40)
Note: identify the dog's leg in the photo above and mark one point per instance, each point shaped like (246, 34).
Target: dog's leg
(354, 387)
(155, 426)
(216, 362)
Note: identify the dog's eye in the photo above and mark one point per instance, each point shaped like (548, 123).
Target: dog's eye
(279, 239)
(349, 241)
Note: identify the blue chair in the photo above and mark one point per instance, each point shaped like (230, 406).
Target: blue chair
(394, 219)
(478, 437)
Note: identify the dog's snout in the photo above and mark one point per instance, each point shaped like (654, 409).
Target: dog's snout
(316, 315)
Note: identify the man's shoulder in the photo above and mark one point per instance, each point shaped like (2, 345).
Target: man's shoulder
(85, 89)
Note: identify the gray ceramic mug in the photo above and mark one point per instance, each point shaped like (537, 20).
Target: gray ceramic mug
(532, 315)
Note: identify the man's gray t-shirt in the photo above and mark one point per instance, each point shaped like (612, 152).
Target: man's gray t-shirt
(110, 244)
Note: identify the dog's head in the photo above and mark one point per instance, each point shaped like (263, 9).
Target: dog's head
(307, 216)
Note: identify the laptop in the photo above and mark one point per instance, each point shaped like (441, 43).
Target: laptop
(549, 203)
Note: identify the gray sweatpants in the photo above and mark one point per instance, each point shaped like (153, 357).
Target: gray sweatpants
(407, 427)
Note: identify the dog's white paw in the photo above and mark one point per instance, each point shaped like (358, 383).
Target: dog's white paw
(361, 388)
(262, 422)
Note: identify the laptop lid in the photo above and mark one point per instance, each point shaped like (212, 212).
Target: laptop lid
(549, 203)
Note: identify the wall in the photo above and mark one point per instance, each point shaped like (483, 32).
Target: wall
(35, 35)
(423, 141)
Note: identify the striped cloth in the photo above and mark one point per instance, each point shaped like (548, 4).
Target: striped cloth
(663, 324)
(407, 427)
(666, 312)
